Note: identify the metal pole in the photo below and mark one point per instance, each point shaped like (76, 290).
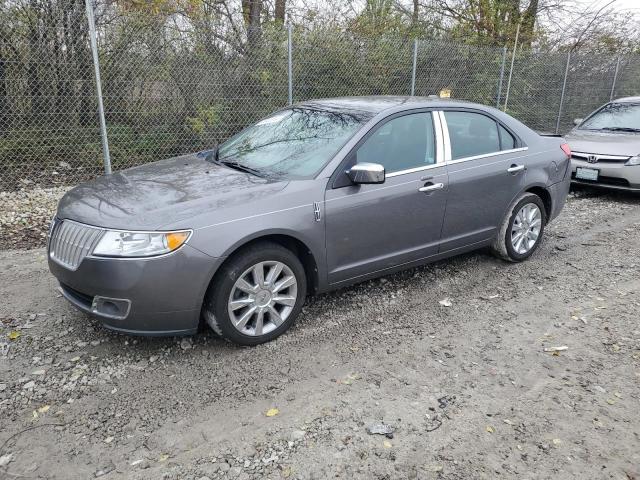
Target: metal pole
(513, 59)
(415, 62)
(564, 87)
(615, 78)
(96, 65)
(290, 71)
(504, 59)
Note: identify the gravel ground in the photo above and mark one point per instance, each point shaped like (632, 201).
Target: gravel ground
(26, 214)
(468, 390)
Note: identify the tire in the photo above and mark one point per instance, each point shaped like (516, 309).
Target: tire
(503, 246)
(232, 282)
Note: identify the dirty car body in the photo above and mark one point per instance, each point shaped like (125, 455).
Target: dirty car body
(390, 183)
(606, 146)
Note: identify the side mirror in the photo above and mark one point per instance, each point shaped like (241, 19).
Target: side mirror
(365, 173)
(577, 121)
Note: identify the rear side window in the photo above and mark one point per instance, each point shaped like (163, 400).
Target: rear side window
(507, 142)
(472, 134)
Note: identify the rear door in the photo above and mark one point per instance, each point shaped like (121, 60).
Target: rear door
(372, 228)
(486, 168)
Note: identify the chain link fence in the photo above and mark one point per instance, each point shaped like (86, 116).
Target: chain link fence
(170, 87)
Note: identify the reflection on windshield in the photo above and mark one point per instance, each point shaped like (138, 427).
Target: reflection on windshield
(615, 116)
(293, 143)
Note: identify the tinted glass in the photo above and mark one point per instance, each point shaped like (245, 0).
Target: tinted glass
(615, 116)
(400, 144)
(471, 134)
(293, 143)
(508, 142)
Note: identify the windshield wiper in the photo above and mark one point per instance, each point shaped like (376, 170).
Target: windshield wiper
(242, 168)
(621, 129)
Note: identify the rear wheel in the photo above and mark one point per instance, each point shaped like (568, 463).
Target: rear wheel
(257, 295)
(522, 228)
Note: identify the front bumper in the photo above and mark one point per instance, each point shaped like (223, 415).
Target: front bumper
(150, 296)
(611, 175)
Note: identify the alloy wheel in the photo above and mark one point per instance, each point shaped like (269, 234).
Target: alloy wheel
(526, 228)
(262, 298)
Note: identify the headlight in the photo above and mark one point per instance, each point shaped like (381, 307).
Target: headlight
(633, 160)
(139, 244)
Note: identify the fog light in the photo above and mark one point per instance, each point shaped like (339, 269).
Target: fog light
(116, 308)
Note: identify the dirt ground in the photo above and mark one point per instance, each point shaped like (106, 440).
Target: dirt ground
(468, 389)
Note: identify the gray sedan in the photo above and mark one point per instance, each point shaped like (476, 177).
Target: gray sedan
(606, 146)
(316, 196)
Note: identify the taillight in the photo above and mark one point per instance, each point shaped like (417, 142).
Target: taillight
(566, 149)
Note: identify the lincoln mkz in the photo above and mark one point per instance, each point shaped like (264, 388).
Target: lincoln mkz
(314, 197)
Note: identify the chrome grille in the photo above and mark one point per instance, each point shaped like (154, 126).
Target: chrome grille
(596, 157)
(71, 242)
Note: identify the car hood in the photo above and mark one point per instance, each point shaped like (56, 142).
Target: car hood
(159, 194)
(604, 143)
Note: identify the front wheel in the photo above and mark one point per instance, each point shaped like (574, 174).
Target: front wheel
(257, 295)
(522, 228)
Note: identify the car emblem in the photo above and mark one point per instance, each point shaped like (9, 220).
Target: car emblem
(316, 211)
(592, 158)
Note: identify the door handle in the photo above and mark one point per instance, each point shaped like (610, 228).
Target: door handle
(515, 168)
(432, 187)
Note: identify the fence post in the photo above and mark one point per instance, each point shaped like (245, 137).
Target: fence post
(513, 60)
(290, 62)
(504, 59)
(564, 87)
(615, 79)
(413, 72)
(96, 66)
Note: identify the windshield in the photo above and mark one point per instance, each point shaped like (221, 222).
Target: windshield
(615, 116)
(294, 143)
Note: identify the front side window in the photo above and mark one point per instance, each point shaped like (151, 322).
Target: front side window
(401, 143)
(471, 134)
(624, 117)
(293, 144)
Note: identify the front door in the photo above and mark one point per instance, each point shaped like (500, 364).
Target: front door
(372, 228)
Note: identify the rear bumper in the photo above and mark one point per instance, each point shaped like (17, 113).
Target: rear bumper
(617, 176)
(153, 296)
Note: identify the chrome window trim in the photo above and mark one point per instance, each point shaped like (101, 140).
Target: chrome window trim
(414, 170)
(445, 134)
(437, 128)
(486, 155)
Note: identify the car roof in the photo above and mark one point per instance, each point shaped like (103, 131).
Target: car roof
(378, 103)
(627, 100)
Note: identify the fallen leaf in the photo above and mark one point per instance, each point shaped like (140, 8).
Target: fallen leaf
(490, 429)
(13, 335)
(387, 444)
(611, 401)
(272, 412)
(445, 302)
(44, 409)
